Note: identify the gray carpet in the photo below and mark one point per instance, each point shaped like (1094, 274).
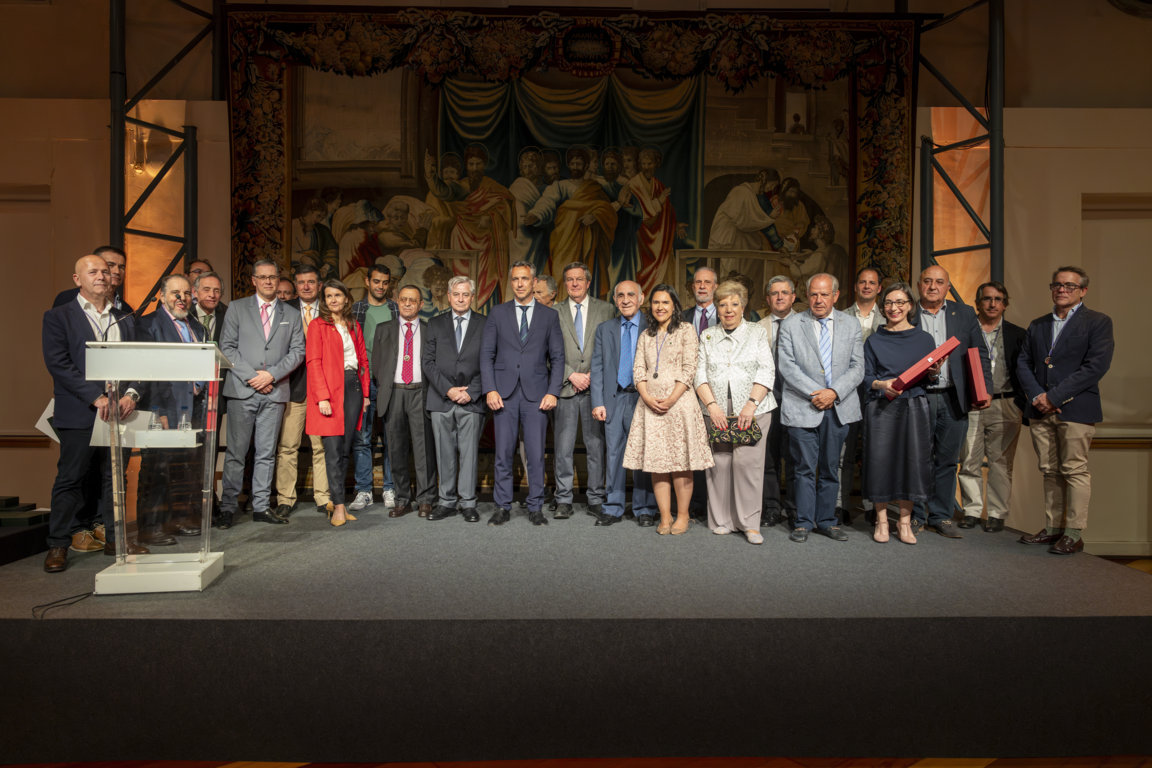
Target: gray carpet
(380, 568)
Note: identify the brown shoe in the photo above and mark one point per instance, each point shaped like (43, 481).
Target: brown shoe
(425, 509)
(98, 533)
(1040, 538)
(133, 549)
(84, 541)
(400, 510)
(1065, 546)
(57, 560)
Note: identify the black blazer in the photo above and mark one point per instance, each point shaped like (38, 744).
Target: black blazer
(1080, 358)
(1014, 337)
(217, 321)
(298, 379)
(960, 321)
(385, 348)
(444, 368)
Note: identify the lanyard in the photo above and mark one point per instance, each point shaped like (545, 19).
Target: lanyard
(659, 346)
(992, 345)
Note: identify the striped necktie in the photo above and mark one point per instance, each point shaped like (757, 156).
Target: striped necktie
(826, 350)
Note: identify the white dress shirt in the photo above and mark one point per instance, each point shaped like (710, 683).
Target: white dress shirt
(416, 377)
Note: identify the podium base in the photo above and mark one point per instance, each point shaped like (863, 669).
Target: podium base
(160, 573)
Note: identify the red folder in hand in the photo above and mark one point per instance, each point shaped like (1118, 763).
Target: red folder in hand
(920, 369)
(976, 387)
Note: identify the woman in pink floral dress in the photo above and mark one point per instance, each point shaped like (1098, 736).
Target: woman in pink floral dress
(668, 439)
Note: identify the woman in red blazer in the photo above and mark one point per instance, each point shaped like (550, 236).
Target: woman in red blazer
(337, 387)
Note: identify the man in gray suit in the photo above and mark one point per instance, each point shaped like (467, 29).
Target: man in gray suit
(264, 341)
(821, 359)
(579, 316)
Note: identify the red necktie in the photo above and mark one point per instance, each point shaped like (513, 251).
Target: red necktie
(406, 370)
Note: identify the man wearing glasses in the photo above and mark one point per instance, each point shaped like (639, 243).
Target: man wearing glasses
(1065, 355)
(992, 433)
(264, 340)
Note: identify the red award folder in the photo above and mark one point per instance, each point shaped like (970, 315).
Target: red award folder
(976, 386)
(920, 369)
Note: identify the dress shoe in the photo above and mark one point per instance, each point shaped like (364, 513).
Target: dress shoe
(425, 510)
(721, 530)
(1043, 537)
(969, 522)
(563, 512)
(400, 510)
(441, 512)
(284, 511)
(773, 518)
(157, 538)
(57, 560)
(917, 526)
(133, 549)
(268, 516)
(185, 529)
(945, 528)
(833, 532)
(98, 533)
(471, 515)
(844, 516)
(1065, 546)
(603, 519)
(799, 535)
(754, 537)
(223, 521)
(325, 509)
(595, 510)
(536, 516)
(84, 541)
(645, 521)
(500, 516)
(552, 506)
(994, 525)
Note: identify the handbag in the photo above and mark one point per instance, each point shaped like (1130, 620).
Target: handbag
(733, 435)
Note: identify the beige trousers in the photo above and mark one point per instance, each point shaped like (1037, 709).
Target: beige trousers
(1062, 450)
(992, 434)
(736, 484)
(291, 432)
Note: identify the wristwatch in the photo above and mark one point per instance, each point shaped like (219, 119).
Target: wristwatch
(134, 395)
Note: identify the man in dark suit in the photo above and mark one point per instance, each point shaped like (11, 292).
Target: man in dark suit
(207, 288)
(521, 340)
(169, 480)
(1065, 355)
(79, 402)
(401, 392)
(117, 263)
(992, 433)
(452, 368)
(703, 315)
(948, 397)
(614, 403)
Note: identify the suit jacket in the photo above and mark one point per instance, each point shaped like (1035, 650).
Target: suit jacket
(70, 294)
(298, 381)
(1013, 337)
(778, 384)
(65, 334)
(596, 312)
(960, 321)
(168, 398)
(505, 362)
(798, 361)
(1079, 359)
(606, 360)
(243, 343)
(689, 316)
(445, 368)
(385, 348)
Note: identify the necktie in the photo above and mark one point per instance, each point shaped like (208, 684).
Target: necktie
(703, 320)
(459, 333)
(523, 324)
(579, 328)
(184, 331)
(307, 317)
(406, 370)
(206, 321)
(266, 319)
(826, 350)
(775, 336)
(627, 355)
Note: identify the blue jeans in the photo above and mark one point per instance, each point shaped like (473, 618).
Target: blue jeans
(949, 428)
(816, 454)
(362, 448)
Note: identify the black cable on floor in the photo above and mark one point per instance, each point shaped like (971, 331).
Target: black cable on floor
(63, 602)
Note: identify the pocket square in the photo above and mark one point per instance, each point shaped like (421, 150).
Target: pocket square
(283, 322)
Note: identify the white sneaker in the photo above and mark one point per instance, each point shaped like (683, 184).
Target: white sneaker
(363, 499)
(389, 498)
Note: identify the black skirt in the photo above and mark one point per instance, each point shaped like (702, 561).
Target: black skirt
(897, 449)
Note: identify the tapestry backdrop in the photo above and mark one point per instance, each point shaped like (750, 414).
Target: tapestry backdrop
(448, 142)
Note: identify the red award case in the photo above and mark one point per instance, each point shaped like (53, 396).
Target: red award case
(920, 369)
(976, 386)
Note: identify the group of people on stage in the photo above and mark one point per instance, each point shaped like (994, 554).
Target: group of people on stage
(700, 403)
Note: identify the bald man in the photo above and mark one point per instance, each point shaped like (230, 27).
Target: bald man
(79, 403)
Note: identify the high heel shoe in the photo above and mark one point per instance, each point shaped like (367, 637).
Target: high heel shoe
(335, 524)
(676, 530)
(664, 528)
(349, 516)
(880, 533)
(904, 532)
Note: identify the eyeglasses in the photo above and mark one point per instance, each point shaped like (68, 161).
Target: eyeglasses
(1066, 286)
(265, 278)
(898, 303)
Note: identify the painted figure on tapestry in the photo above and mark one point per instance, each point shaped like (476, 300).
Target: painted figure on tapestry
(657, 233)
(312, 242)
(743, 220)
(625, 252)
(530, 244)
(827, 257)
(444, 219)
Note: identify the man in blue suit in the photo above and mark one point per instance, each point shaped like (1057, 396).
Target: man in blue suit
(1064, 357)
(79, 402)
(521, 367)
(614, 402)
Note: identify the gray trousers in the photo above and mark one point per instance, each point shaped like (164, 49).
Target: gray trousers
(572, 412)
(457, 435)
(252, 421)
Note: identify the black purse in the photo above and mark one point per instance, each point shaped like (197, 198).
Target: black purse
(733, 435)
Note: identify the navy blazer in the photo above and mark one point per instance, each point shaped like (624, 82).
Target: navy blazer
(606, 359)
(1080, 358)
(960, 321)
(66, 331)
(505, 362)
(168, 398)
(445, 368)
